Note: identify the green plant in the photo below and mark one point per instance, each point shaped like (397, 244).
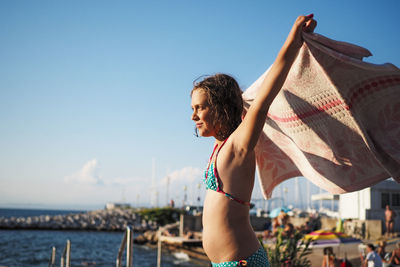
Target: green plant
(161, 216)
(289, 251)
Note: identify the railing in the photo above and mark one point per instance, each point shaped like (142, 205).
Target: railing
(52, 260)
(127, 241)
(160, 235)
(66, 255)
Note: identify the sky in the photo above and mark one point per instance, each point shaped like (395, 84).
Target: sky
(95, 95)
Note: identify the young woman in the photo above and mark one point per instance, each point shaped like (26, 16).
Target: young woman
(228, 238)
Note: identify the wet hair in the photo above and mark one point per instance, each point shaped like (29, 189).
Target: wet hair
(225, 99)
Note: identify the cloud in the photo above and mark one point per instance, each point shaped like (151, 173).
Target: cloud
(119, 181)
(89, 174)
(186, 175)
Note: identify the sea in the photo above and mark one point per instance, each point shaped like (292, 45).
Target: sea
(88, 248)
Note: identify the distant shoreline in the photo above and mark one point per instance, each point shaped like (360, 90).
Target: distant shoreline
(11, 212)
(98, 220)
(45, 207)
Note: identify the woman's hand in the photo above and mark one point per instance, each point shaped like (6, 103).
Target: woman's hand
(246, 136)
(302, 23)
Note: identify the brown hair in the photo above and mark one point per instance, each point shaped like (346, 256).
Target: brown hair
(225, 98)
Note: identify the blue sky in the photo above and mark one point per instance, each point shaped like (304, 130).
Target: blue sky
(93, 92)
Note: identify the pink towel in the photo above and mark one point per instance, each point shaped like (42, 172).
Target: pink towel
(336, 120)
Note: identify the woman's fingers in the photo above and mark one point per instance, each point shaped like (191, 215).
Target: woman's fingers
(301, 20)
(303, 23)
(310, 25)
(307, 23)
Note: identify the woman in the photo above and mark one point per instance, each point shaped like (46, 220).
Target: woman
(228, 238)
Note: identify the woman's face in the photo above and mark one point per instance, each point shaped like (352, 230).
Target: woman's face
(202, 114)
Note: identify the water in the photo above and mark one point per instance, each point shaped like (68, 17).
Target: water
(33, 247)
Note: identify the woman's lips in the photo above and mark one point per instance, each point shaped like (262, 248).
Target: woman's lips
(198, 125)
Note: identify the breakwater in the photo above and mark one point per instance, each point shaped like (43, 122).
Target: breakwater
(99, 220)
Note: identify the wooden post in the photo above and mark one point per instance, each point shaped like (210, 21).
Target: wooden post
(53, 257)
(181, 221)
(68, 256)
(159, 248)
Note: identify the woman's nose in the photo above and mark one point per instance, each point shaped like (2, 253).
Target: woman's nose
(194, 116)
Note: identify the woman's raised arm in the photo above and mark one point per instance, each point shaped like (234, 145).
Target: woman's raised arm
(246, 135)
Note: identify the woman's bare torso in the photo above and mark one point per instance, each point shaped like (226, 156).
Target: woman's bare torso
(227, 232)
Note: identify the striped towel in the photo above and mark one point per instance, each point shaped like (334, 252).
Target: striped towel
(336, 120)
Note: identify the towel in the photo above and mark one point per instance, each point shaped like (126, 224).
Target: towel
(336, 120)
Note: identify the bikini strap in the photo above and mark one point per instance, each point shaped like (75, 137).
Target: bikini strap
(215, 167)
(209, 161)
(217, 180)
(219, 149)
(212, 154)
(247, 203)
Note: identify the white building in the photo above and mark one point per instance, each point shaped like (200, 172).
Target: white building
(370, 203)
(110, 206)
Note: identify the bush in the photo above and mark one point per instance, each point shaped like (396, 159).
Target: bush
(289, 251)
(161, 216)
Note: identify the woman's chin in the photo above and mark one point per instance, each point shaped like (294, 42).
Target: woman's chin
(204, 134)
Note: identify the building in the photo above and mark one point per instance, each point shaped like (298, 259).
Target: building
(110, 206)
(370, 203)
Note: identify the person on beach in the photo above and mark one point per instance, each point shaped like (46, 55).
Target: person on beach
(372, 259)
(228, 237)
(381, 250)
(389, 220)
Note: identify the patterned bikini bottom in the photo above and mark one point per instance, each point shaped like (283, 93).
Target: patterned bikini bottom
(257, 259)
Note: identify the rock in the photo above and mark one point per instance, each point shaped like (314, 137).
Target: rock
(101, 220)
(140, 240)
(150, 236)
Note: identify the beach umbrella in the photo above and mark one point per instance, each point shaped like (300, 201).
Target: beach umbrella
(323, 238)
(275, 212)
